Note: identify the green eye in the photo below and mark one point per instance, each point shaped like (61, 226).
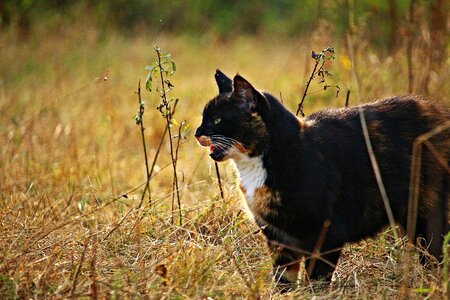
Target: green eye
(217, 121)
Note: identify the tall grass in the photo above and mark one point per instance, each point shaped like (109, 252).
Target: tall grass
(71, 168)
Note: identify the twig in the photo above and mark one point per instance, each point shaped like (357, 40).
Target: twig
(140, 121)
(78, 270)
(368, 143)
(56, 253)
(43, 234)
(414, 183)
(322, 58)
(445, 251)
(168, 117)
(158, 150)
(219, 182)
(177, 148)
(347, 98)
(300, 105)
(93, 271)
(437, 155)
(118, 224)
(409, 46)
(318, 246)
(307, 254)
(377, 172)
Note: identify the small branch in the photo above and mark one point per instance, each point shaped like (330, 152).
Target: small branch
(377, 172)
(118, 224)
(300, 105)
(168, 117)
(78, 270)
(409, 46)
(347, 98)
(446, 252)
(318, 246)
(93, 271)
(414, 180)
(320, 58)
(219, 182)
(158, 150)
(414, 185)
(140, 121)
(40, 235)
(438, 156)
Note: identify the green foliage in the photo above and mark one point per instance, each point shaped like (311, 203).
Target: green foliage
(166, 65)
(225, 19)
(8, 288)
(163, 67)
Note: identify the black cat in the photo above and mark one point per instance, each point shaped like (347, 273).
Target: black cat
(299, 173)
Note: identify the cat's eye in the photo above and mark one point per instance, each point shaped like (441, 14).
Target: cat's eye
(217, 121)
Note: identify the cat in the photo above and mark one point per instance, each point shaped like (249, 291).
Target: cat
(298, 174)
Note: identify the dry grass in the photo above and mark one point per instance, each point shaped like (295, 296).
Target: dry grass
(69, 150)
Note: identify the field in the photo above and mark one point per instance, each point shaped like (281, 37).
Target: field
(72, 168)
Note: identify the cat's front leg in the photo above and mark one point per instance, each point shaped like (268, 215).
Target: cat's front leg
(323, 266)
(286, 265)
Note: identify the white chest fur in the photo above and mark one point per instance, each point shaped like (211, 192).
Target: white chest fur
(252, 175)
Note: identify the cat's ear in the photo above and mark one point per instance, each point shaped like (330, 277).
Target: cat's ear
(223, 82)
(245, 91)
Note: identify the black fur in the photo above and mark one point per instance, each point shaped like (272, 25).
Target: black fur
(319, 169)
(223, 82)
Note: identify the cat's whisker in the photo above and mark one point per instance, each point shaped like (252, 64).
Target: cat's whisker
(226, 146)
(228, 141)
(225, 138)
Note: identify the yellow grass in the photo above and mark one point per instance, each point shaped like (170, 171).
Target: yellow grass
(70, 148)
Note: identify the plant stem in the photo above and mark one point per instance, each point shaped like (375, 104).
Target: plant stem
(347, 98)
(300, 105)
(141, 122)
(318, 246)
(168, 125)
(158, 150)
(409, 46)
(218, 180)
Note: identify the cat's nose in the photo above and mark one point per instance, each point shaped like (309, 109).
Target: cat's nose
(199, 132)
(204, 141)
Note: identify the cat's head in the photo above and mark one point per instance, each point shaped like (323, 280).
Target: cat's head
(233, 125)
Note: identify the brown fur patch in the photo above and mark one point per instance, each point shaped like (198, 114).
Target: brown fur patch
(243, 149)
(301, 122)
(304, 124)
(264, 202)
(378, 138)
(374, 126)
(288, 271)
(425, 109)
(243, 189)
(291, 272)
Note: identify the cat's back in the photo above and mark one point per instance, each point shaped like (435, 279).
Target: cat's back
(393, 125)
(406, 117)
(336, 137)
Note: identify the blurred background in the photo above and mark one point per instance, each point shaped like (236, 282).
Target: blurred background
(69, 71)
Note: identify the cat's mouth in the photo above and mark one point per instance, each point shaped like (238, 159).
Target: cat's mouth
(216, 152)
